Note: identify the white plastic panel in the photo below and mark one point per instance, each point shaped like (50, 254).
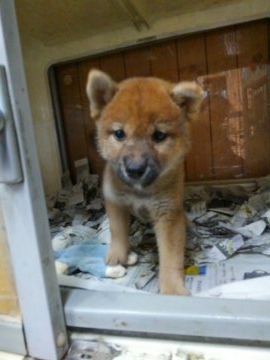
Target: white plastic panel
(169, 315)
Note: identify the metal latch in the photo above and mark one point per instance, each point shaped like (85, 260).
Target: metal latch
(10, 163)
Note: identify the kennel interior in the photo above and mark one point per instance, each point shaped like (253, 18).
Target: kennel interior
(230, 141)
(232, 65)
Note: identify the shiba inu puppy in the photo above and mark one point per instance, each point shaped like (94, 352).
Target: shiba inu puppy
(143, 134)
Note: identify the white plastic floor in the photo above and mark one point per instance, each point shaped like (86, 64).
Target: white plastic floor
(8, 356)
(121, 348)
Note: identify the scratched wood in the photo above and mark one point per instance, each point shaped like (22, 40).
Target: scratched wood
(231, 138)
(72, 112)
(192, 66)
(253, 62)
(221, 63)
(96, 163)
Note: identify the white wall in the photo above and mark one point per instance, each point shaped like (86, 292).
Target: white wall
(38, 58)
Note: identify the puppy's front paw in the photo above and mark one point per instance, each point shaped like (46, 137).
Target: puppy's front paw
(132, 258)
(115, 271)
(174, 290)
(117, 254)
(172, 284)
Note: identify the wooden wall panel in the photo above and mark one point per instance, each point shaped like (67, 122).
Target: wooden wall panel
(71, 108)
(96, 163)
(163, 57)
(137, 62)
(191, 57)
(192, 67)
(221, 61)
(253, 61)
(231, 138)
(114, 65)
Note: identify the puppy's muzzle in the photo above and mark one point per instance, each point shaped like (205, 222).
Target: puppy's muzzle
(135, 169)
(140, 171)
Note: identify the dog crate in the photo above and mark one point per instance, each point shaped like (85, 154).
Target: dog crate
(230, 144)
(232, 65)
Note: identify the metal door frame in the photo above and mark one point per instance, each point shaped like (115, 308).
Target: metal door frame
(25, 215)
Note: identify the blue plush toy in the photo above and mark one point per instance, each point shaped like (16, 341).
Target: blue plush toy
(86, 256)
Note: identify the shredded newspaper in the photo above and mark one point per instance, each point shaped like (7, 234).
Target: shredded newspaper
(228, 240)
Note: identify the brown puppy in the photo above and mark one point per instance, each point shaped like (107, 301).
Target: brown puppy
(143, 134)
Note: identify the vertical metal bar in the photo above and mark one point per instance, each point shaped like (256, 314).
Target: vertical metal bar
(10, 164)
(58, 120)
(25, 214)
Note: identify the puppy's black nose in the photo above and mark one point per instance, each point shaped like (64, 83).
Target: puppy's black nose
(135, 169)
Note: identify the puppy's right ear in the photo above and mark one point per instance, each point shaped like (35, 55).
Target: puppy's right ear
(100, 89)
(188, 95)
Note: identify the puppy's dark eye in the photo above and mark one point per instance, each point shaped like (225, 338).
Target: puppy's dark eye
(119, 135)
(159, 136)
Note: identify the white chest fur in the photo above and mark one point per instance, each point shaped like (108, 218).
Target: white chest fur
(143, 205)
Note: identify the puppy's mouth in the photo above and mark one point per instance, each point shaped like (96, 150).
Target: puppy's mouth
(138, 173)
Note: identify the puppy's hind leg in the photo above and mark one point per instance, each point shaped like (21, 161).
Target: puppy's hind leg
(119, 219)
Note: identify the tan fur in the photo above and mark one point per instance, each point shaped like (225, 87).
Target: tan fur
(144, 175)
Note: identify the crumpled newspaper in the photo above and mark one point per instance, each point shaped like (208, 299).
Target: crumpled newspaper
(233, 219)
(224, 221)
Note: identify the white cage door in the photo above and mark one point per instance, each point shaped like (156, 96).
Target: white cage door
(23, 202)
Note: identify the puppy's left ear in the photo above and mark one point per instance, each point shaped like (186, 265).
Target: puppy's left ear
(188, 95)
(100, 89)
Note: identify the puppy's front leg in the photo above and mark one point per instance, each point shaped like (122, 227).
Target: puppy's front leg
(119, 224)
(171, 236)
